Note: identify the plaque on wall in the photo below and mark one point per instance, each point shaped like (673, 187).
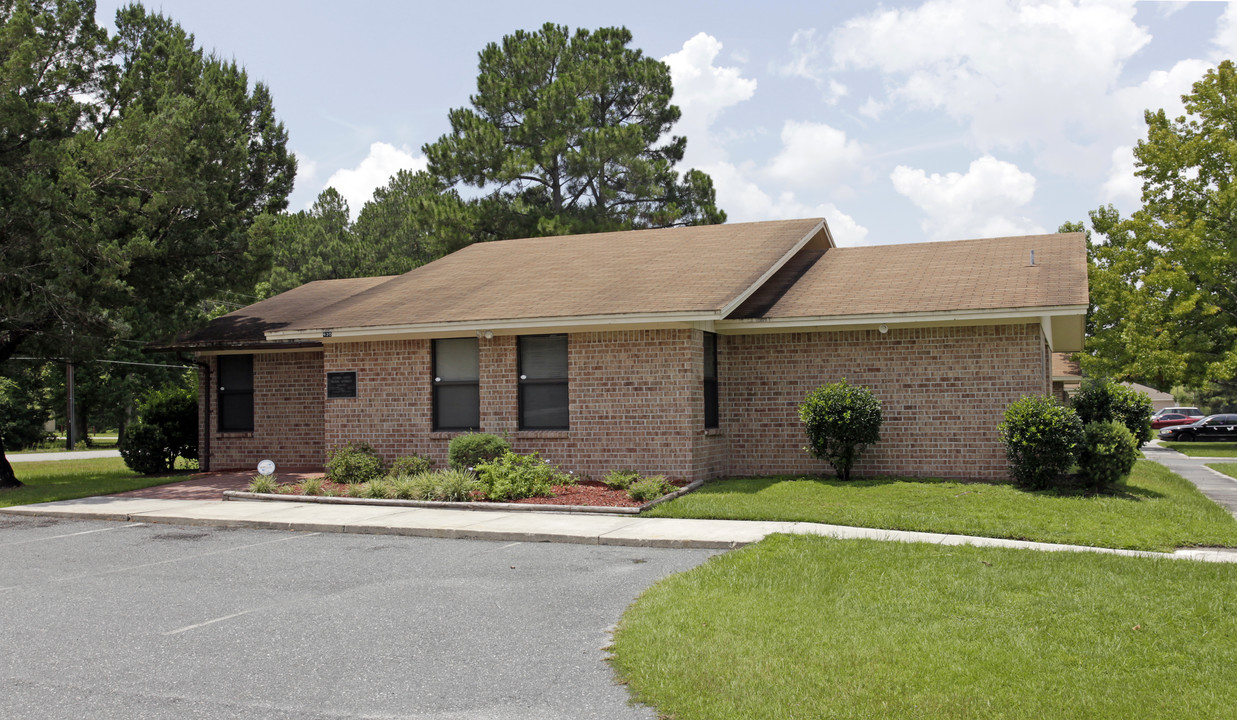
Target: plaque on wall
(341, 384)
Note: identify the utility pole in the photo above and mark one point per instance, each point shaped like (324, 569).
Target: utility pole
(70, 414)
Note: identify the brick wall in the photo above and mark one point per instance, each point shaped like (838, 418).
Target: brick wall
(636, 400)
(287, 423)
(943, 392)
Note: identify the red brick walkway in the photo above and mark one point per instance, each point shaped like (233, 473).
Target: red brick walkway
(209, 486)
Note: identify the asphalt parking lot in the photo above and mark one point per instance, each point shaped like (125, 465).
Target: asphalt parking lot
(110, 619)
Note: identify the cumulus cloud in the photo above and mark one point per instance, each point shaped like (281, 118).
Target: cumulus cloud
(1122, 188)
(702, 91)
(1017, 73)
(814, 155)
(808, 60)
(745, 201)
(983, 202)
(357, 184)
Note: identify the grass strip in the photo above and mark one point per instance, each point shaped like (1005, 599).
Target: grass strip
(1203, 449)
(811, 627)
(69, 479)
(1155, 509)
(1229, 469)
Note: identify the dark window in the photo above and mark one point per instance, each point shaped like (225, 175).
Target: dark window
(543, 382)
(235, 393)
(457, 381)
(710, 380)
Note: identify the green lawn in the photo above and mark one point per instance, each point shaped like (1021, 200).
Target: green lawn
(1154, 510)
(1203, 449)
(811, 627)
(68, 479)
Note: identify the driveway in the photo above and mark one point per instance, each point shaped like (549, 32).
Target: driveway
(105, 619)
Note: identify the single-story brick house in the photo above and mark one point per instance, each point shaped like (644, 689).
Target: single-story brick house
(681, 351)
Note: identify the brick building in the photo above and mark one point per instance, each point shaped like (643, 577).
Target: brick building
(680, 351)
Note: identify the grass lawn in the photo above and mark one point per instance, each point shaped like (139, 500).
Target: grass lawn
(1154, 510)
(97, 443)
(1203, 449)
(68, 479)
(811, 627)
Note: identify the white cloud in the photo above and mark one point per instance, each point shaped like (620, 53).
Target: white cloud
(1123, 188)
(745, 201)
(1225, 38)
(807, 57)
(357, 184)
(984, 202)
(814, 155)
(702, 91)
(1018, 73)
(872, 108)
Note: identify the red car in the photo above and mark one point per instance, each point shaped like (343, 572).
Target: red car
(1170, 419)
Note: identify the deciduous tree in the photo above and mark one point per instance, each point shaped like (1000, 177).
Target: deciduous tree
(1162, 280)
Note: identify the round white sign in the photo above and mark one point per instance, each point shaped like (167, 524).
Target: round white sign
(266, 467)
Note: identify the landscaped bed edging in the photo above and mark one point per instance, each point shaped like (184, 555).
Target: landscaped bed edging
(486, 506)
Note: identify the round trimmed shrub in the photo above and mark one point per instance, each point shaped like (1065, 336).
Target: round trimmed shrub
(1108, 454)
(1041, 439)
(472, 449)
(145, 449)
(353, 464)
(840, 420)
(1102, 400)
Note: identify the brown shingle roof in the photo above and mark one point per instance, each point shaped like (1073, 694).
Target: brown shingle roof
(986, 274)
(250, 324)
(676, 270)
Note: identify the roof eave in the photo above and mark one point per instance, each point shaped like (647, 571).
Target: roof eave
(498, 325)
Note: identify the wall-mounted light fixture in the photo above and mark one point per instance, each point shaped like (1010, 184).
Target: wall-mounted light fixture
(487, 334)
(883, 328)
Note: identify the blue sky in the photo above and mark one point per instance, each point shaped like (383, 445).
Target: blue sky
(898, 122)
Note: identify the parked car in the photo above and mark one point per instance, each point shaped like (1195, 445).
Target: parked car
(1218, 428)
(1170, 419)
(1188, 411)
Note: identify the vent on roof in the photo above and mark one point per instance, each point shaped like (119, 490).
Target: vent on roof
(1032, 258)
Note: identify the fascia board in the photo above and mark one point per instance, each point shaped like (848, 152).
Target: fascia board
(738, 326)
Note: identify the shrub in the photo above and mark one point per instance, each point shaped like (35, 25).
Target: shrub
(23, 410)
(1107, 455)
(841, 420)
(145, 449)
(620, 479)
(410, 465)
(353, 463)
(311, 486)
(174, 410)
(1101, 400)
(263, 484)
(1041, 440)
(512, 476)
(472, 449)
(649, 488)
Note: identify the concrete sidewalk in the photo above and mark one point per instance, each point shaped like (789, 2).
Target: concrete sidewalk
(512, 527)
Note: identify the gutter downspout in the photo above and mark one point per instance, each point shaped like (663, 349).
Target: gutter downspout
(204, 451)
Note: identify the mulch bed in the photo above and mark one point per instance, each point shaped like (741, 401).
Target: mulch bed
(590, 493)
